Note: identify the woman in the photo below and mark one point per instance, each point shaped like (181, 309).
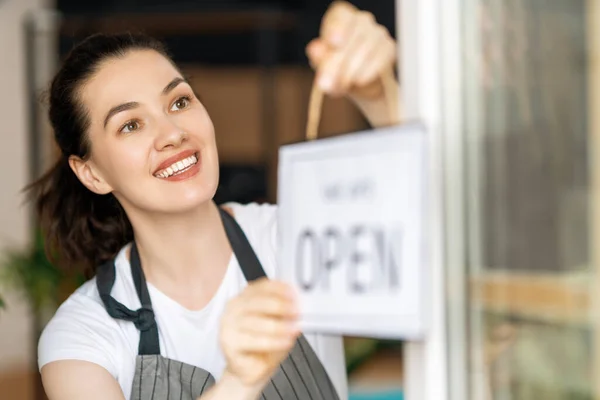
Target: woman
(180, 306)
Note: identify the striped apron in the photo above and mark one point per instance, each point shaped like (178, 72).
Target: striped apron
(300, 376)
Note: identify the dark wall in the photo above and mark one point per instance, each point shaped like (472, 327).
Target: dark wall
(283, 47)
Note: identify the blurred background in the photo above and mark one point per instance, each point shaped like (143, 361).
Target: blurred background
(526, 322)
(246, 60)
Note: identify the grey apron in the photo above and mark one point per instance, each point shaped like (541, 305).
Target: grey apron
(300, 376)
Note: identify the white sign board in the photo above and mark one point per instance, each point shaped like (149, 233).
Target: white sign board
(352, 240)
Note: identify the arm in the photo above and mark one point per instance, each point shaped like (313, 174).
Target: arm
(378, 110)
(75, 380)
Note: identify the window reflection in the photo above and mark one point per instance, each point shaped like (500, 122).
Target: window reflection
(529, 278)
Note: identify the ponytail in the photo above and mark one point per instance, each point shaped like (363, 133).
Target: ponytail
(82, 229)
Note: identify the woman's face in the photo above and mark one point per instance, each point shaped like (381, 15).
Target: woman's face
(152, 141)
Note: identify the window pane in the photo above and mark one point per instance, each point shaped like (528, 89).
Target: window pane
(530, 269)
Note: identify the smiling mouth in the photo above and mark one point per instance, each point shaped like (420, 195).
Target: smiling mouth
(178, 167)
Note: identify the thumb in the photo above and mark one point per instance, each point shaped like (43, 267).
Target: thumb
(316, 51)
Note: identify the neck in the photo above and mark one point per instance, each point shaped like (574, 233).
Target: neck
(184, 248)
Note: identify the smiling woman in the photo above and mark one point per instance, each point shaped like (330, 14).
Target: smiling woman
(180, 304)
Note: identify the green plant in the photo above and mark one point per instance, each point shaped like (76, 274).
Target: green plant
(30, 274)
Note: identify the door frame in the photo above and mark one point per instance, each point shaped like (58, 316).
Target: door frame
(429, 36)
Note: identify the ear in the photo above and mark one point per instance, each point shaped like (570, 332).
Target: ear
(89, 175)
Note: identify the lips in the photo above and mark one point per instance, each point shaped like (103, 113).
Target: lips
(172, 160)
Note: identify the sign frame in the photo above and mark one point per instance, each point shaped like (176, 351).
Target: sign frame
(411, 138)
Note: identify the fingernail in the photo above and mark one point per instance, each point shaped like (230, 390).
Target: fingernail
(326, 82)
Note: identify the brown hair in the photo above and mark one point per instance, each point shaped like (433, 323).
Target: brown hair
(82, 228)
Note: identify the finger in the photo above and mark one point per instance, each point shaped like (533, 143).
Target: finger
(269, 326)
(316, 51)
(360, 44)
(361, 58)
(251, 343)
(337, 23)
(328, 74)
(270, 287)
(376, 65)
(268, 304)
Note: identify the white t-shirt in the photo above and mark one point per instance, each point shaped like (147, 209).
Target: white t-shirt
(81, 329)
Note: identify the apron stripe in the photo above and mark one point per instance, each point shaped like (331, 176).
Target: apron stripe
(141, 375)
(301, 378)
(155, 378)
(275, 387)
(333, 390)
(290, 381)
(300, 363)
(270, 393)
(313, 368)
(168, 377)
(180, 387)
(204, 384)
(192, 383)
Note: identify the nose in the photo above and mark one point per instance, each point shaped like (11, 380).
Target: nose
(169, 135)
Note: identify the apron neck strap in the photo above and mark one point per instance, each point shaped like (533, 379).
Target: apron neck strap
(143, 318)
(242, 249)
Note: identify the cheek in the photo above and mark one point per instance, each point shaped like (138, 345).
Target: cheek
(199, 124)
(124, 162)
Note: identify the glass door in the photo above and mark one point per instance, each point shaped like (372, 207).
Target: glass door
(529, 199)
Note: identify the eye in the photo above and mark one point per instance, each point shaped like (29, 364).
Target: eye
(181, 103)
(130, 126)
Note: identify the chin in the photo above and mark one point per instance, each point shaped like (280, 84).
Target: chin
(190, 198)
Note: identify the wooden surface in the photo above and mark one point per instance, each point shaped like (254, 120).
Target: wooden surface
(384, 370)
(17, 384)
(558, 298)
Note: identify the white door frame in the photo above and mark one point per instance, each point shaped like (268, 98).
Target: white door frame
(430, 69)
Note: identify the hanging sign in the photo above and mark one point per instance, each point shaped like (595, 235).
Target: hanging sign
(352, 231)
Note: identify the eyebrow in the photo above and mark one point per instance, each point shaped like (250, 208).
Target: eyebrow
(173, 84)
(134, 104)
(120, 108)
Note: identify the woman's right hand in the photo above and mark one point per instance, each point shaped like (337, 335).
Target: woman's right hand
(258, 330)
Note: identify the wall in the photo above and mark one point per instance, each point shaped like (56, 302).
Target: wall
(16, 348)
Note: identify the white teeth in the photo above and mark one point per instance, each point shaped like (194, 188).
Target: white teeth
(177, 167)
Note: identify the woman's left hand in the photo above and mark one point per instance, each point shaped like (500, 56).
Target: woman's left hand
(351, 53)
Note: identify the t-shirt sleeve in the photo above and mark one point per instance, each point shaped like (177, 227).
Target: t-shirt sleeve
(81, 330)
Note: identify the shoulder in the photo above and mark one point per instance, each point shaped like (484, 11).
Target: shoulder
(81, 329)
(256, 216)
(259, 223)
